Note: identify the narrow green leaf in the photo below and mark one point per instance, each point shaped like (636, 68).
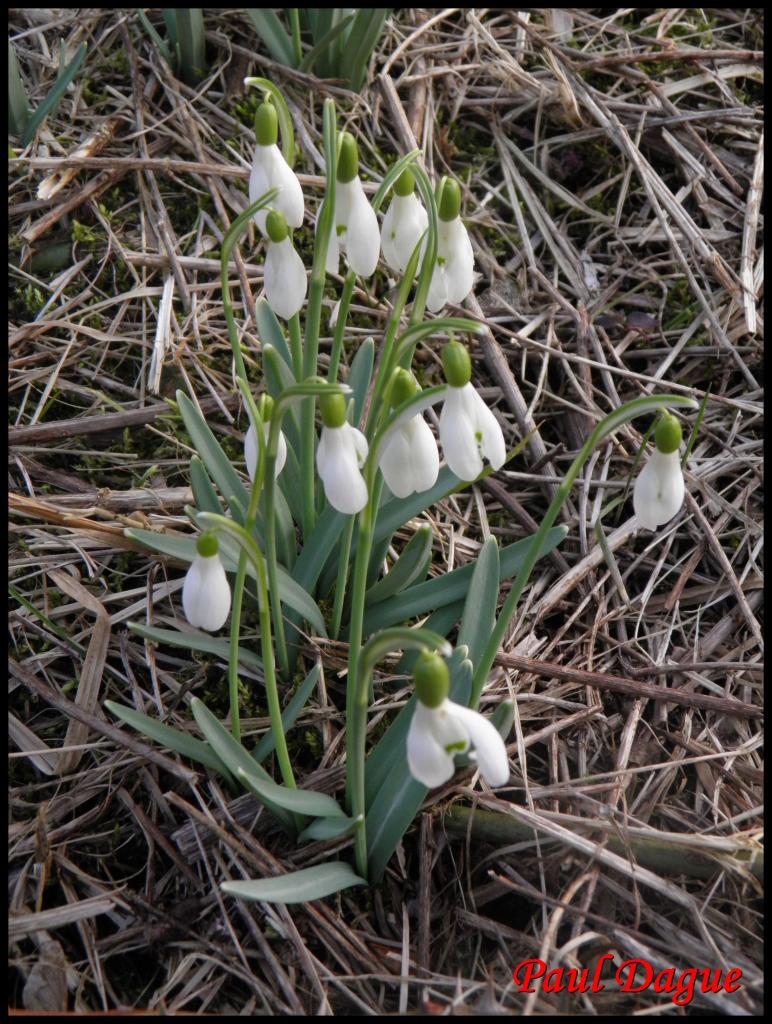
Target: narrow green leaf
(204, 493)
(218, 646)
(214, 458)
(270, 332)
(481, 599)
(192, 44)
(170, 20)
(18, 107)
(159, 44)
(300, 801)
(318, 547)
(277, 40)
(359, 376)
(51, 102)
(289, 715)
(452, 586)
(169, 738)
(297, 886)
(233, 755)
(324, 44)
(279, 377)
(328, 828)
(410, 564)
(364, 35)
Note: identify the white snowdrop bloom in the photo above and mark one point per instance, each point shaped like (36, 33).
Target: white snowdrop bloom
(404, 223)
(453, 275)
(284, 276)
(251, 450)
(341, 454)
(441, 728)
(356, 225)
(409, 459)
(271, 170)
(659, 489)
(469, 431)
(206, 595)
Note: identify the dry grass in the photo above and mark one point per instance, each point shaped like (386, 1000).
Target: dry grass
(611, 171)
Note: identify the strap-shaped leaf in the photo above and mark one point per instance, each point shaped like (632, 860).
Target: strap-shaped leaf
(299, 801)
(408, 567)
(297, 886)
(204, 494)
(361, 43)
(452, 586)
(317, 548)
(214, 458)
(481, 599)
(170, 738)
(52, 100)
(278, 377)
(359, 376)
(270, 332)
(233, 755)
(273, 34)
(218, 646)
(324, 44)
(328, 828)
(289, 715)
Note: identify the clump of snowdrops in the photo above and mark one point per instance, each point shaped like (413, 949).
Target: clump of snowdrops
(327, 494)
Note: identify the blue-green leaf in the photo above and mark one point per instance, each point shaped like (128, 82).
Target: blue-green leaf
(270, 332)
(299, 801)
(204, 494)
(218, 646)
(289, 715)
(53, 98)
(273, 34)
(297, 886)
(359, 375)
(409, 566)
(328, 828)
(481, 599)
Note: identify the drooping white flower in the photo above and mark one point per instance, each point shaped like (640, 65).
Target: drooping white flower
(206, 594)
(251, 450)
(356, 226)
(659, 490)
(341, 454)
(404, 223)
(409, 459)
(453, 275)
(284, 276)
(271, 170)
(441, 728)
(469, 431)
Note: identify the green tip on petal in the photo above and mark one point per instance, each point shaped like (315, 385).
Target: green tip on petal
(668, 434)
(403, 386)
(348, 158)
(456, 364)
(207, 545)
(276, 226)
(266, 124)
(432, 679)
(333, 410)
(405, 183)
(450, 199)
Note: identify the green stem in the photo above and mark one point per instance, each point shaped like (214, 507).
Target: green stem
(296, 346)
(340, 325)
(340, 584)
(295, 26)
(270, 550)
(610, 423)
(233, 650)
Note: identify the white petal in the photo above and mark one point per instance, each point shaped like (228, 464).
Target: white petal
(281, 454)
(659, 490)
(425, 456)
(454, 244)
(362, 238)
(489, 747)
(427, 758)
(438, 290)
(250, 451)
(457, 434)
(359, 441)
(395, 464)
(403, 225)
(332, 261)
(389, 244)
(206, 595)
(271, 170)
(337, 462)
(492, 443)
(284, 278)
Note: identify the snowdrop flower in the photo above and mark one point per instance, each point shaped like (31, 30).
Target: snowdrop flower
(341, 453)
(271, 170)
(659, 489)
(409, 460)
(206, 596)
(404, 223)
(356, 226)
(468, 429)
(453, 275)
(284, 276)
(251, 445)
(441, 728)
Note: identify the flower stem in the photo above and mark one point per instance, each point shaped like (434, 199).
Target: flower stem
(340, 326)
(296, 346)
(340, 584)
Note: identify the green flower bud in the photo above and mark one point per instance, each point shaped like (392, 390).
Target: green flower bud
(207, 545)
(405, 183)
(457, 364)
(265, 407)
(348, 158)
(266, 125)
(668, 434)
(403, 386)
(450, 199)
(333, 410)
(276, 226)
(432, 679)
